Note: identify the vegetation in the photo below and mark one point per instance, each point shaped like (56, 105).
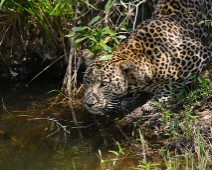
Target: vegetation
(185, 132)
(50, 19)
(68, 30)
(50, 29)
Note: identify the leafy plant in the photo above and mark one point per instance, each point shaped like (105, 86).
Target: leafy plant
(209, 26)
(45, 15)
(147, 166)
(188, 159)
(98, 38)
(143, 164)
(188, 118)
(201, 92)
(111, 162)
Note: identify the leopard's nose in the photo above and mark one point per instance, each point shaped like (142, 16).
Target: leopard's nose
(89, 105)
(90, 101)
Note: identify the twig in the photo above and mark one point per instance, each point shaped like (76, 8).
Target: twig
(122, 131)
(136, 13)
(59, 125)
(82, 15)
(44, 69)
(129, 6)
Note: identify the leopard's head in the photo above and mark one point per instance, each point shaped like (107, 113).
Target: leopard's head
(106, 83)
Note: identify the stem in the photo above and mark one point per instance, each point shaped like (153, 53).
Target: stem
(67, 82)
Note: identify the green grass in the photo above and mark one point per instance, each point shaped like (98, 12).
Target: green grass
(51, 18)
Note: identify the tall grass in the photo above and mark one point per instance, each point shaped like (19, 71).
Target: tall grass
(51, 18)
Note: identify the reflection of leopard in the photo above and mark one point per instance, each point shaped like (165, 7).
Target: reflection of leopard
(161, 54)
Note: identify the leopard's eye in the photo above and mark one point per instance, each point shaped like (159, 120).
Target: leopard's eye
(104, 83)
(86, 81)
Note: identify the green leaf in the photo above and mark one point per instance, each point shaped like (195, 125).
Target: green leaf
(92, 39)
(202, 8)
(123, 28)
(1, 3)
(121, 150)
(122, 3)
(108, 6)
(116, 41)
(80, 39)
(94, 20)
(122, 36)
(107, 30)
(105, 46)
(114, 152)
(107, 39)
(55, 11)
(79, 28)
(70, 35)
(210, 29)
(86, 2)
(203, 21)
(106, 57)
(186, 11)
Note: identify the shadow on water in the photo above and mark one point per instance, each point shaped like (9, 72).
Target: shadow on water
(30, 139)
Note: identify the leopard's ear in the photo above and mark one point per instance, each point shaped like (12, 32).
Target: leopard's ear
(88, 57)
(126, 66)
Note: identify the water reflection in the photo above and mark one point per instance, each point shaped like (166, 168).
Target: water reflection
(31, 140)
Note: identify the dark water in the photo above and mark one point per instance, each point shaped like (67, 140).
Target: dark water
(32, 136)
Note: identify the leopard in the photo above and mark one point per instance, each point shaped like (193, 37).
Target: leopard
(163, 53)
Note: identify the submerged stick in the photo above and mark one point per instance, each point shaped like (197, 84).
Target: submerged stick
(44, 69)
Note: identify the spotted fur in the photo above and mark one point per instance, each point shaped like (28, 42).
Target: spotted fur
(160, 54)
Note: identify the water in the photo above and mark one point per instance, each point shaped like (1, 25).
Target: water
(31, 140)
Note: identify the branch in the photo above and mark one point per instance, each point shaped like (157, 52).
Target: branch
(136, 12)
(59, 125)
